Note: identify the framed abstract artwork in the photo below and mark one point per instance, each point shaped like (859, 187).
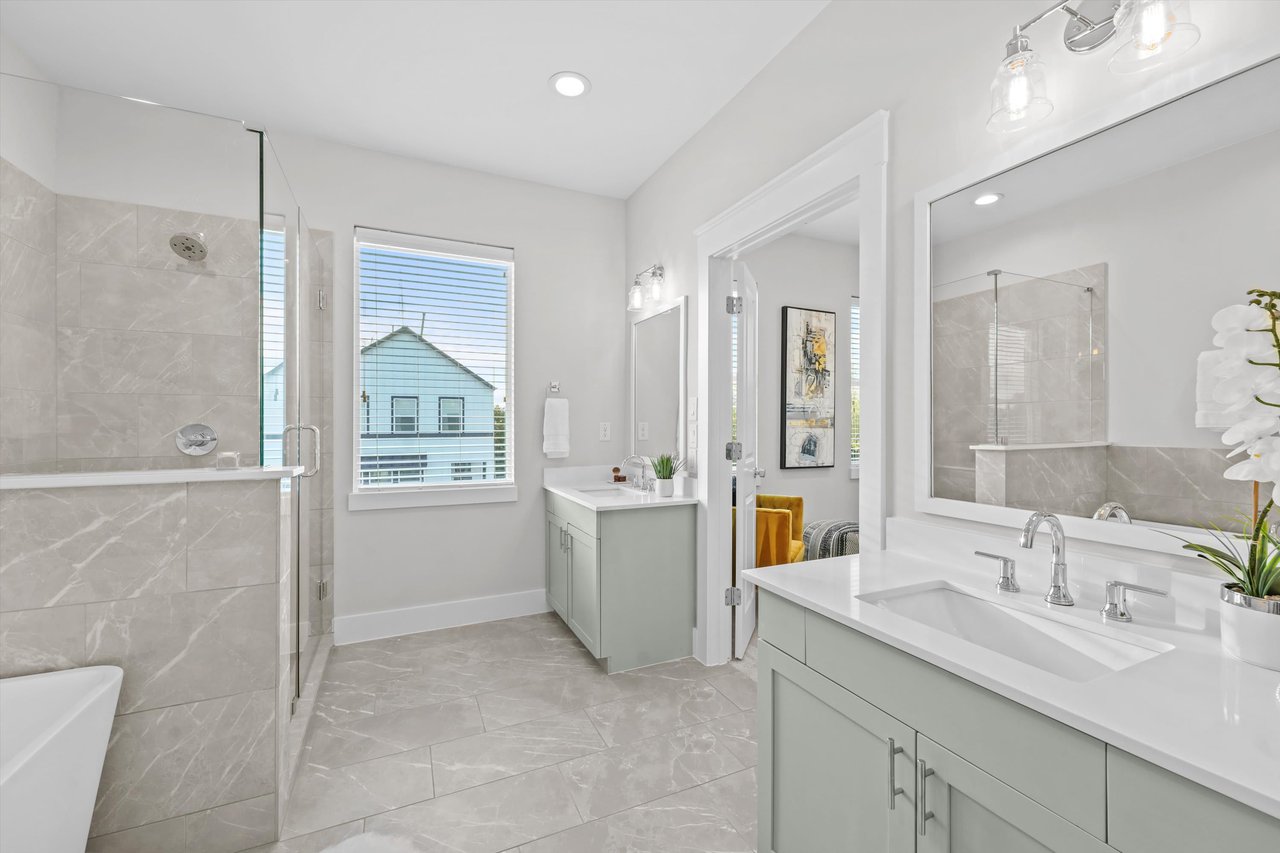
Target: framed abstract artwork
(808, 388)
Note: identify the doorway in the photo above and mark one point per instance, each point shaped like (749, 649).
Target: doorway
(848, 176)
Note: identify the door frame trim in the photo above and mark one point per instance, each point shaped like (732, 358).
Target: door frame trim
(852, 167)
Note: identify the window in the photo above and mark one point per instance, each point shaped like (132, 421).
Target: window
(855, 375)
(452, 410)
(435, 327)
(272, 412)
(404, 414)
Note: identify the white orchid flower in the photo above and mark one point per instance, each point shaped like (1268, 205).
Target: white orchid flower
(1252, 430)
(1236, 318)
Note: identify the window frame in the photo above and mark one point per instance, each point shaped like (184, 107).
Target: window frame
(417, 414)
(462, 414)
(455, 493)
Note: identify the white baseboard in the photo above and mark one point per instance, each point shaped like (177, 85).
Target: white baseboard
(359, 627)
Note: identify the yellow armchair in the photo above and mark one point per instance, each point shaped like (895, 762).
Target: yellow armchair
(779, 530)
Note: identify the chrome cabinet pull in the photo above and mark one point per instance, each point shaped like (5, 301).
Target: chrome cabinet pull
(922, 773)
(894, 790)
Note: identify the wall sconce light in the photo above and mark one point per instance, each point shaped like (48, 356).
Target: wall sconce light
(646, 289)
(1153, 32)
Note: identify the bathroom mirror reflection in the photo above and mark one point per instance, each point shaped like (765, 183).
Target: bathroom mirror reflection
(658, 381)
(1071, 302)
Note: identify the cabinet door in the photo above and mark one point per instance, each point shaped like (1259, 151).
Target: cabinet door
(557, 566)
(835, 773)
(584, 589)
(962, 809)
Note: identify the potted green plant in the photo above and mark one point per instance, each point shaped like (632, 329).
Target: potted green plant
(664, 473)
(1247, 386)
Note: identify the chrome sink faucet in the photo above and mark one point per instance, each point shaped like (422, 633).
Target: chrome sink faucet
(642, 478)
(1058, 593)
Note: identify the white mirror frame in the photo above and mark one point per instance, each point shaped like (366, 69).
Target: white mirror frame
(637, 318)
(1141, 537)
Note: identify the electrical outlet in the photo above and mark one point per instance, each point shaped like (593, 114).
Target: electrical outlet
(606, 431)
(642, 431)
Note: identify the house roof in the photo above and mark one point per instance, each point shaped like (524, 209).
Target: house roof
(407, 331)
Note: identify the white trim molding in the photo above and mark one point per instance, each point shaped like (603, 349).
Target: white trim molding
(852, 167)
(1149, 538)
(359, 627)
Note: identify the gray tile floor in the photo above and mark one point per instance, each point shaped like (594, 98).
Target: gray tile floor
(506, 736)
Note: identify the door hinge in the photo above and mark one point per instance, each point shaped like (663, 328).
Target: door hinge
(733, 304)
(322, 590)
(322, 300)
(732, 597)
(733, 451)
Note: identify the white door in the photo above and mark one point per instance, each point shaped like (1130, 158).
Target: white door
(748, 471)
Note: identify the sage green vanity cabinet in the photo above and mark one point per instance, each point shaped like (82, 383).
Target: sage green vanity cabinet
(557, 565)
(836, 773)
(623, 580)
(965, 810)
(1154, 811)
(996, 776)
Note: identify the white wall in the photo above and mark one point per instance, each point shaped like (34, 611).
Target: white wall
(1179, 244)
(28, 115)
(805, 273)
(569, 296)
(928, 63)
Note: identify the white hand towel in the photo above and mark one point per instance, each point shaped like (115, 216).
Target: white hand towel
(1209, 413)
(555, 428)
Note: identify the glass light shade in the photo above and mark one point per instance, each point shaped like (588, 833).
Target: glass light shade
(1019, 93)
(635, 297)
(1154, 32)
(653, 291)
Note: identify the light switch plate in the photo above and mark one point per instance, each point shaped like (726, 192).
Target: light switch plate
(606, 431)
(642, 430)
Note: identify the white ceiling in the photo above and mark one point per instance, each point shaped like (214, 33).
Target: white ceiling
(463, 83)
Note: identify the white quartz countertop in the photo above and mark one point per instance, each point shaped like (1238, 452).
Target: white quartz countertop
(1192, 710)
(143, 478)
(590, 487)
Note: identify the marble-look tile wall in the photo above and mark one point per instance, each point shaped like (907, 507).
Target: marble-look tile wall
(111, 341)
(1063, 480)
(318, 291)
(28, 382)
(1170, 485)
(1178, 485)
(177, 584)
(1051, 383)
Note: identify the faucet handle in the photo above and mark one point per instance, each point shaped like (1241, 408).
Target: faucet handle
(1117, 607)
(1008, 581)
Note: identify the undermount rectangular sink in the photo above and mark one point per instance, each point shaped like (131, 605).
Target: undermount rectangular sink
(601, 490)
(1065, 650)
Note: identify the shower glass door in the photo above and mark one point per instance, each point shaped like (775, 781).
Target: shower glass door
(282, 395)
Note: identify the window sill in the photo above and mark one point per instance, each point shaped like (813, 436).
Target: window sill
(405, 498)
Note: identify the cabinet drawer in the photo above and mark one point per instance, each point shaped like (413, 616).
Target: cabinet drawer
(576, 514)
(1154, 811)
(1062, 769)
(782, 624)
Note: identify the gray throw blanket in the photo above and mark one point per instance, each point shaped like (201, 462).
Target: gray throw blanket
(830, 539)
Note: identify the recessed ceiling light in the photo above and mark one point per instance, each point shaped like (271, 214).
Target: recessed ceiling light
(988, 198)
(571, 84)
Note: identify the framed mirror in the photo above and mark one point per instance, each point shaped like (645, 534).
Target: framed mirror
(659, 381)
(1068, 303)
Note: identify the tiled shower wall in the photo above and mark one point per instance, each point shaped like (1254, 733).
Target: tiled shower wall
(1171, 485)
(317, 289)
(1052, 380)
(112, 342)
(176, 584)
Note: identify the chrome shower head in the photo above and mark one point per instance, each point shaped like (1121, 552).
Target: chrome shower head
(189, 247)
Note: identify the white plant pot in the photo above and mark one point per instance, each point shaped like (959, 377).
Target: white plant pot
(664, 488)
(1250, 628)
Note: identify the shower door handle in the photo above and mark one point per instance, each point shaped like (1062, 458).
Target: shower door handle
(315, 456)
(315, 450)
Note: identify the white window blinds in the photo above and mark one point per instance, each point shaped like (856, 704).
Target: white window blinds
(855, 371)
(435, 345)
